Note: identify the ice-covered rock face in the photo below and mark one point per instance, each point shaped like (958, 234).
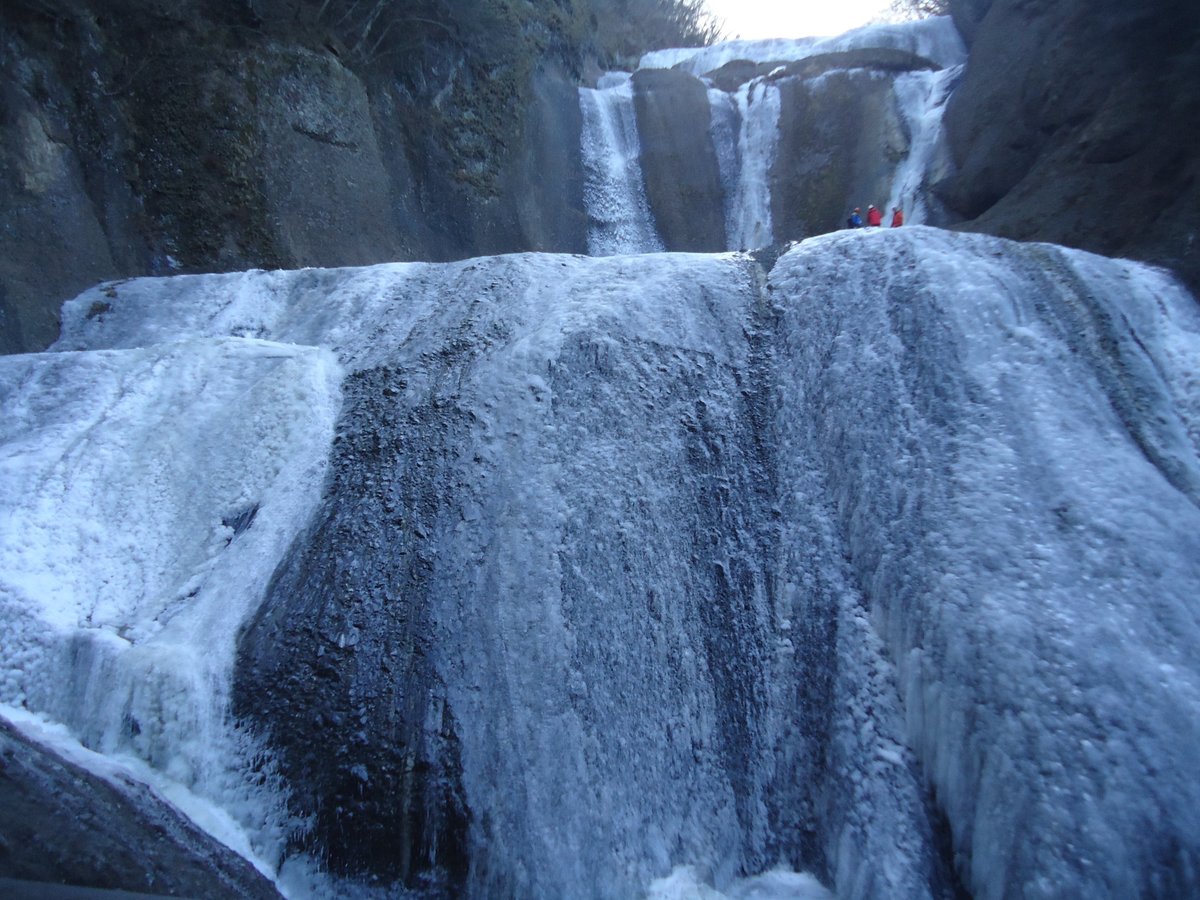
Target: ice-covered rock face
(640, 572)
(795, 135)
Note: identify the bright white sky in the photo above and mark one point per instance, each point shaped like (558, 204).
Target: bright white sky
(793, 18)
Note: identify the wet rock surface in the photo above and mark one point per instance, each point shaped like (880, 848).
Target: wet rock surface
(63, 825)
(683, 182)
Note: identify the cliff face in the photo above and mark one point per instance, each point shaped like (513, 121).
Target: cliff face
(148, 137)
(141, 136)
(1076, 123)
(806, 138)
(683, 178)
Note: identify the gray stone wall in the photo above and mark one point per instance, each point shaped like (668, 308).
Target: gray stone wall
(141, 137)
(1076, 123)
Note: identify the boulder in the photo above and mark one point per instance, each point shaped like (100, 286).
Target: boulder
(1075, 123)
(60, 824)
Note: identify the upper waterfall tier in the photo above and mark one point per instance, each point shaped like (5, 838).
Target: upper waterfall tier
(750, 143)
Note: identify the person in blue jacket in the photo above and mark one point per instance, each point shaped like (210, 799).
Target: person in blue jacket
(855, 220)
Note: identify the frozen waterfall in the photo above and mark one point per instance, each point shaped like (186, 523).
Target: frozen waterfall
(935, 39)
(748, 217)
(620, 219)
(638, 575)
(757, 91)
(921, 97)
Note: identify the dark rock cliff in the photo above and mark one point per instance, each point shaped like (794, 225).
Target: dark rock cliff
(839, 137)
(1077, 123)
(141, 136)
(338, 661)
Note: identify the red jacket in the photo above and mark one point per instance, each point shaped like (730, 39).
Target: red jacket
(898, 218)
(874, 216)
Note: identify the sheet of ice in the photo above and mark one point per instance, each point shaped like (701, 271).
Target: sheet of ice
(1010, 438)
(611, 402)
(921, 97)
(748, 219)
(935, 39)
(684, 883)
(361, 314)
(614, 189)
(146, 496)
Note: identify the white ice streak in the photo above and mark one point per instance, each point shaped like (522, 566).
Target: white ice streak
(614, 189)
(124, 478)
(724, 130)
(935, 39)
(748, 219)
(921, 98)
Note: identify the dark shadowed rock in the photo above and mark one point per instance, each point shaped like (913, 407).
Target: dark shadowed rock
(1076, 124)
(967, 15)
(61, 824)
(336, 668)
(325, 184)
(840, 138)
(47, 213)
(141, 137)
(683, 180)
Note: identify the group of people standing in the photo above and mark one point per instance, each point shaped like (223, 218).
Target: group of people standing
(874, 218)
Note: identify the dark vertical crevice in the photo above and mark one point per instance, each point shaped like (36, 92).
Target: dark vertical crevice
(337, 668)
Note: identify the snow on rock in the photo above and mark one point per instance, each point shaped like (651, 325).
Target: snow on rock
(147, 496)
(935, 39)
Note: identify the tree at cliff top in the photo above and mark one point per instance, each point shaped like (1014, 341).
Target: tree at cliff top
(627, 28)
(375, 30)
(919, 9)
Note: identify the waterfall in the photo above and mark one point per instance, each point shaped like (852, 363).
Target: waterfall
(921, 97)
(614, 192)
(749, 218)
(725, 125)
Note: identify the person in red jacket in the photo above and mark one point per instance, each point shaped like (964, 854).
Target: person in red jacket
(897, 217)
(874, 217)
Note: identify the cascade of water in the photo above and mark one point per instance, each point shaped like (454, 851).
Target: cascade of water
(724, 132)
(921, 97)
(614, 190)
(749, 220)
